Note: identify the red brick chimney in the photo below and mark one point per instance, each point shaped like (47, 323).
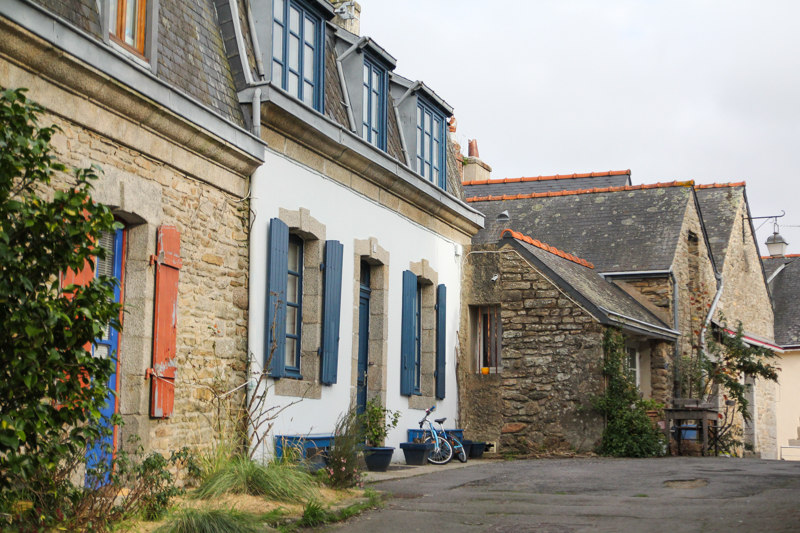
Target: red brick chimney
(474, 168)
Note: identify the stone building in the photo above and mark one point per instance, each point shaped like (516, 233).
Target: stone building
(156, 109)
(686, 253)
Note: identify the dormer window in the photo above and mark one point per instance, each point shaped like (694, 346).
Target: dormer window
(128, 23)
(297, 44)
(431, 162)
(374, 110)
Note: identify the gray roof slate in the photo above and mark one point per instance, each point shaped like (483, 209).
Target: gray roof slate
(620, 231)
(549, 185)
(718, 207)
(81, 13)
(594, 287)
(785, 289)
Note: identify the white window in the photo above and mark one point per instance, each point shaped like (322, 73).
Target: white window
(633, 366)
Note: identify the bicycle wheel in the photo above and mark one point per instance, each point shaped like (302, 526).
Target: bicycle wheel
(458, 450)
(440, 456)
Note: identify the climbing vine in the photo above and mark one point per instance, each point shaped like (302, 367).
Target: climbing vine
(629, 431)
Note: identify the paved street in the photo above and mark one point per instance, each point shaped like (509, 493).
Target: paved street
(675, 495)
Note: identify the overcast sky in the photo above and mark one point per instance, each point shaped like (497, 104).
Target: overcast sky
(673, 90)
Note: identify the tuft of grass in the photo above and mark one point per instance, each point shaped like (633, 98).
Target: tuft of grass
(314, 515)
(641, 496)
(278, 481)
(216, 521)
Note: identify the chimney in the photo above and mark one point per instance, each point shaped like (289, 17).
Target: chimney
(474, 168)
(777, 245)
(348, 15)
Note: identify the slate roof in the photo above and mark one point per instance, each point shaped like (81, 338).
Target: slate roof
(587, 283)
(625, 229)
(565, 182)
(785, 289)
(718, 207)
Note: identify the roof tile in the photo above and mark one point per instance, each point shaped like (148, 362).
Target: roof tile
(545, 247)
(551, 194)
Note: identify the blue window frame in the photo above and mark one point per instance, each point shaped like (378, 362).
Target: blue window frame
(294, 306)
(431, 161)
(297, 46)
(107, 345)
(374, 111)
(418, 340)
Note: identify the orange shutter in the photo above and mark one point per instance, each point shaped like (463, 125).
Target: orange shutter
(81, 278)
(162, 374)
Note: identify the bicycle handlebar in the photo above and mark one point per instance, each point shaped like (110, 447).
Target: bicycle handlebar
(427, 412)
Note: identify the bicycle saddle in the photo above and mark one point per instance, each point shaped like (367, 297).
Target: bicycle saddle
(440, 420)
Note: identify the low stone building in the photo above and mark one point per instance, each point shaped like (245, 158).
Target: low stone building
(686, 253)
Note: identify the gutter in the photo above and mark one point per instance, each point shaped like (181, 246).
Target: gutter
(637, 274)
(646, 325)
(361, 43)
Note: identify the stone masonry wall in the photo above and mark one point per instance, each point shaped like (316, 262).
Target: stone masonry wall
(212, 307)
(552, 363)
(745, 298)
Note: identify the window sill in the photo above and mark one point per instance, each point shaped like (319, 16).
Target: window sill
(128, 52)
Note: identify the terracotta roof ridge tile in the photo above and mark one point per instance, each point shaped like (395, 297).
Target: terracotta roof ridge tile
(548, 178)
(790, 256)
(547, 248)
(721, 185)
(551, 194)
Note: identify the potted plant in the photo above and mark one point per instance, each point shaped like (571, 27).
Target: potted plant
(376, 422)
(417, 453)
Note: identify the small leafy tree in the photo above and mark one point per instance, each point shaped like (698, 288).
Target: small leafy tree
(629, 431)
(51, 388)
(726, 363)
(377, 421)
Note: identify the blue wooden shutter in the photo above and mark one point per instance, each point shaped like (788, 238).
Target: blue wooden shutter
(407, 339)
(331, 311)
(441, 339)
(277, 274)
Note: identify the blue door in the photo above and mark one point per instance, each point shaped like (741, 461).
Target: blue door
(108, 346)
(363, 339)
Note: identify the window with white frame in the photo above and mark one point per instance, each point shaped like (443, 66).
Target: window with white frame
(297, 45)
(632, 365)
(488, 328)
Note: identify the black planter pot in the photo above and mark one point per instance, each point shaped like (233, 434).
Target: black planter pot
(378, 459)
(467, 444)
(476, 452)
(416, 452)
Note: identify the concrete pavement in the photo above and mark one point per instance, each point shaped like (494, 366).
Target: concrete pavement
(671, 495)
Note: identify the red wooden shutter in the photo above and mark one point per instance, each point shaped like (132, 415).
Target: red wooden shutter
(162, 374)
(81, 278)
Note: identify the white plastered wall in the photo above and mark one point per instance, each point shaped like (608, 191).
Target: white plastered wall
(348, 216)
(788, 404)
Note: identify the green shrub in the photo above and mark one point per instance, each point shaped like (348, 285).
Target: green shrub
(277, 481)
(216, 521)
(629, 431)
(44, 404)
(376, 422)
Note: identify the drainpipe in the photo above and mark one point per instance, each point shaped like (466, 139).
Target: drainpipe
(676, 361)
(237, 32)
(359, 45)
(256, 50)
(720, 286)
(257, 112)
(403, 145)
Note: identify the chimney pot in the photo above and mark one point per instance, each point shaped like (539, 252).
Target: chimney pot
(473, 148)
